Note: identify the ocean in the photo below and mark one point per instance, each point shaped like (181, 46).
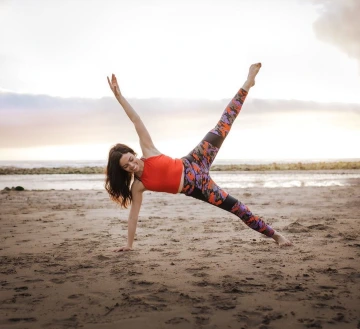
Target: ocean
(224, 179)
(102, 163)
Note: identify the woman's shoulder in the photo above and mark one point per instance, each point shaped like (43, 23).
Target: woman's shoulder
(137, 185)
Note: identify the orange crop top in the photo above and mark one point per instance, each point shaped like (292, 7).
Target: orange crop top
(162, 173)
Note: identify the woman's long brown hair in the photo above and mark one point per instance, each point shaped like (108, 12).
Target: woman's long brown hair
(118, 181)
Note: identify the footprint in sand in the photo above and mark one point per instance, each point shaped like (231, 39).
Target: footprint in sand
(296, 228)
(141, 282)
(200, 275)
(271, 317)
(177, 320)
(70, 322)
(57, 281)
(25, 294)
(75, 296)
(311, 323)
(249, 319)
(201, 310)
(102, 257)
(320, 227)
(224, 303)
(22, 319)
(202, 320)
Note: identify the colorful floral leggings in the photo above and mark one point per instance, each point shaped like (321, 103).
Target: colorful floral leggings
(198, 183)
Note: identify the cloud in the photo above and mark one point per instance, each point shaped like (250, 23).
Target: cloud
(40, 120)
(339, 24)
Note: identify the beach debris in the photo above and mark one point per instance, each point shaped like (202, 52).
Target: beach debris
(17, 188)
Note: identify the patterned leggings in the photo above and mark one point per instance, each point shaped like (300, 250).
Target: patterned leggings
(198, 183)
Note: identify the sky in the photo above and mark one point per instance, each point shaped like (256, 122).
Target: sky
(179, 62)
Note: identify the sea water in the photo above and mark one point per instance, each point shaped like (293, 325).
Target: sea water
(225, 179)
(102, 163)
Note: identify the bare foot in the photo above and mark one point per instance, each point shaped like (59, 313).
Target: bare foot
(253, 71)
(281, 240)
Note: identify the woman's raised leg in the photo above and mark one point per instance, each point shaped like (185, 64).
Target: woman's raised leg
(205, 152)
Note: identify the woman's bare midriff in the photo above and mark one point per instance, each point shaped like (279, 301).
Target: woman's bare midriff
(181, 180)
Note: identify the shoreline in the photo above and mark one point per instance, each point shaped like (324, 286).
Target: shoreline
(87, 170)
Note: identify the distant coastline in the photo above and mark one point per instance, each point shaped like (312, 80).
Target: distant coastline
(335, 165)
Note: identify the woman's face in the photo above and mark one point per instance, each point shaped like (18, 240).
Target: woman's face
(129, 162)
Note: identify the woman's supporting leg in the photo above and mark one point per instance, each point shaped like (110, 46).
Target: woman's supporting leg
(199, 185)
(207, 190)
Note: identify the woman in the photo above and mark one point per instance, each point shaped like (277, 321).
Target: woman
(128, 176)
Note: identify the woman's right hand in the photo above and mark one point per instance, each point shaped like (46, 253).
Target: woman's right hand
(114, 86)
(125, 248)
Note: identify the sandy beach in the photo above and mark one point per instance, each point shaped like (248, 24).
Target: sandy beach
(193, 266)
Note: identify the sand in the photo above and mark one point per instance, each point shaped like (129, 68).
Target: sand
(193, 265)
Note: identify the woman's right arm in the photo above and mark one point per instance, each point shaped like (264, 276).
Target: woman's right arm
(137, 190)
(147, 146)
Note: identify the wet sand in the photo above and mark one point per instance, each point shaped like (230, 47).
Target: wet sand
(193, 266)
